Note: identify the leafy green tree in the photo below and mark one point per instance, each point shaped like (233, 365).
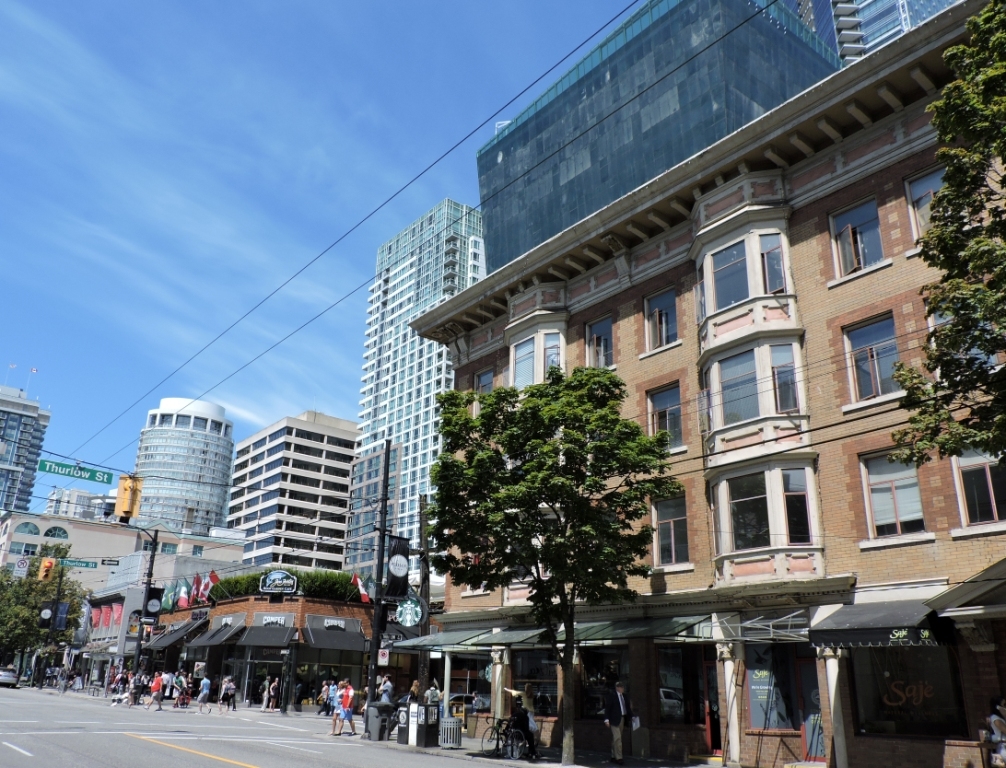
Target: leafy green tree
(959, 399)
(548, 487)
(21, 602)
(330, 585)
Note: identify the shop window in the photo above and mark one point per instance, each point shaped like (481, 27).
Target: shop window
(784, 378)
(894, 497)
(771, 686)
(983, 482)
(794, 488)
(679, 669)
(672, 531)
(749, 511)
(665, 415)
(857, 234)
(874, 353)
(600, 344)
(600, 669)
(539, 670)
(739, 385)
(921, 191)
(908, 691)
(773, 271)
(661, 319)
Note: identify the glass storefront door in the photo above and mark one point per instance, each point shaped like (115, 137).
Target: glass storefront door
(811, 726)
(711, 695)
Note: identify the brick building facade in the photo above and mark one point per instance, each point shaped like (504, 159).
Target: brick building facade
(801, 605)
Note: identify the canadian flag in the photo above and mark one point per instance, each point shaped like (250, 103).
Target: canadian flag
(197, 583)
(208, 581)
(359, 585)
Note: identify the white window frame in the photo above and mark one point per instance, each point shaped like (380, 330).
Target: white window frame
(648, 345)
(538, 334)
(764, 381)
(836, 251)
(753, 262)
(961, 463)
(776, 498)
(912, 212)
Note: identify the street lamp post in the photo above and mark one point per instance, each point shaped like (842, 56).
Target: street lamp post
(146, 594)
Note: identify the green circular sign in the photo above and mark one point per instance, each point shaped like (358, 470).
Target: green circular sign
(410, 612)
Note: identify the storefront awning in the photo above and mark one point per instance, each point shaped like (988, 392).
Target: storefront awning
(334, 640)
(169, 638)
(897, 622)
(669, 627)
(440, 640)
(270, 637)
(217, 636)
(511, 636)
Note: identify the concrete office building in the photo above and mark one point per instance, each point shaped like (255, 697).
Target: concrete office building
(291, 491)
(73, 502)
(22, 429)
(423, 265)
(184, 457)
(674, 78)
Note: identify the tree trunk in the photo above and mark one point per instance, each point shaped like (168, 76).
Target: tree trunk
(568, 693)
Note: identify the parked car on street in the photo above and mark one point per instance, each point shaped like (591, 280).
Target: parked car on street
(8, 678)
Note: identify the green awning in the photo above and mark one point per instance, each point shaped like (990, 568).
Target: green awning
(510, 636)
(440, 640)
(623, 630)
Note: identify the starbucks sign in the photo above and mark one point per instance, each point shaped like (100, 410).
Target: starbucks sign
(410, 612)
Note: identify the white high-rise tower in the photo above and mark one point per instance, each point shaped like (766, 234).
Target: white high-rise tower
(435, 257)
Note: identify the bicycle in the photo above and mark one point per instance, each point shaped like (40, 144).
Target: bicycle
(503, 739)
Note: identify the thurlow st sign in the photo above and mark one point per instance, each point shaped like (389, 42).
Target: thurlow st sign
(75, 471)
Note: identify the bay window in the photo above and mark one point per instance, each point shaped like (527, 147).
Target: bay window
(523, 363)
(784, 378)
(552, 352)
(530, 358)
(749, 511)
(771, 507)
(739, 387)
(773, 272)
(730, 275)
(794, 488)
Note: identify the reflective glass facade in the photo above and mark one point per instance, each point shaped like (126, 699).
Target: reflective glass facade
(185, 458)
(645, 99)
(438, 255)
(22, 429)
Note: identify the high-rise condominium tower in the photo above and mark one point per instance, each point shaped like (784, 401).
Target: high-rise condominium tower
(184, 458)
(291, 491)
(22, 427)
(438, 255)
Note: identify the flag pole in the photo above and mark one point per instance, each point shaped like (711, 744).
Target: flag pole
(10, 367)
(30, 372)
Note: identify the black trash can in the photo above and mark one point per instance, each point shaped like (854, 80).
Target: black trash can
(403, 725)
(378, 716)
(428, 734)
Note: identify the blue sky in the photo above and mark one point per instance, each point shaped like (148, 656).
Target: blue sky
(166, 165)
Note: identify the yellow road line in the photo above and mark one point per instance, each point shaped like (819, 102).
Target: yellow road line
(192, 751)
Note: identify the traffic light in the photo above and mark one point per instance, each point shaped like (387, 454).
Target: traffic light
(46, 569)
(127, 502)
(155, 595)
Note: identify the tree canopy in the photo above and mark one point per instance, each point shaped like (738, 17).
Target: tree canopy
(330, 585)
(549, 487)
(959, 399)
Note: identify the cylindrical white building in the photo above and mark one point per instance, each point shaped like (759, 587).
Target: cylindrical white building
(185, 456)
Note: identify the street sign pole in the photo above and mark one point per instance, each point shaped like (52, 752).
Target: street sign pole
(424, 593)
(143, 606)
(379, 607)
(52, 624)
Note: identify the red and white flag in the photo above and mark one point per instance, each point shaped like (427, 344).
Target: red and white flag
(197, 586)
(34, 370)
(208, 581)
(359, 585)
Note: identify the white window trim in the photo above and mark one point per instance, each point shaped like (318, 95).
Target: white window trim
(968, 529)
(836, 257)
(539, 353)
(764, 382)
(646, 321)
(883, 264)
(752, 260)
(775, 495)
(674, 344)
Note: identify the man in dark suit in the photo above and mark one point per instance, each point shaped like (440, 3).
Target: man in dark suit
(617, 715)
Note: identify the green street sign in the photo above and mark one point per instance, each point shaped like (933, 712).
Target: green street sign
(71, 563)
(75, 471)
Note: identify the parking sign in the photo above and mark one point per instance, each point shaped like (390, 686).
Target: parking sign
(21, 567)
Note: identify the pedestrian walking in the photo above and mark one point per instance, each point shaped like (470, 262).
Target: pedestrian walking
(348, 695)
(204, 695)
(226, 693)
(167, 684)
(156, 692)
(135, 688)
(264, 690)
(335, 699)
(617, 715)
(274, 695)
(323, 699)
(414, 693)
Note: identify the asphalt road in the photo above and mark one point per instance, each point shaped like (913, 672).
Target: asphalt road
(41, 728)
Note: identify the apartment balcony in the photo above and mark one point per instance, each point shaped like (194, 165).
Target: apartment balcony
(844, 9)
(788, 561)
(849, 36)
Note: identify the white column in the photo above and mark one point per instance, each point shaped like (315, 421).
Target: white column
(447, 682)
(497, 682)
(726, 653)
(831, 657)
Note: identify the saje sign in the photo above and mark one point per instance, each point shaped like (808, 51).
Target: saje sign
(278, 583)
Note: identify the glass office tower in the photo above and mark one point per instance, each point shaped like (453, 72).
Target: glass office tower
(677, 76)
(435, 257)
(22, 429)
(185, 457)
